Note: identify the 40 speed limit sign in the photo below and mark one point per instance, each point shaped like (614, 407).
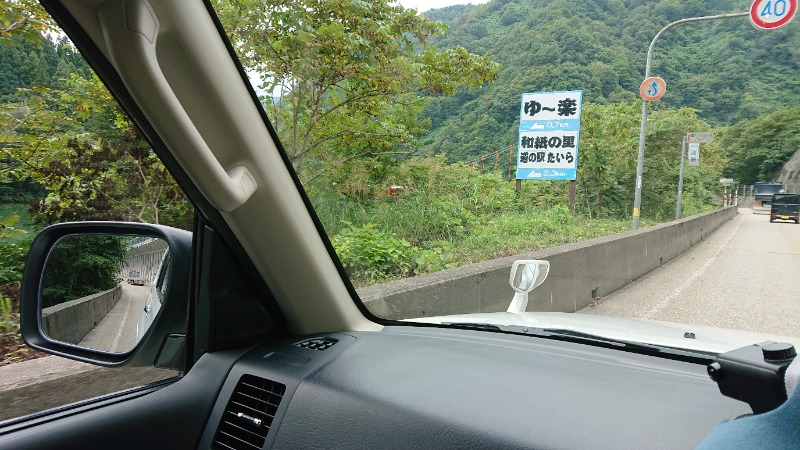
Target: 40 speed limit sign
(772, 14)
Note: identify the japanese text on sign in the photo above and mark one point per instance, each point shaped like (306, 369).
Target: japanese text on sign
(549, 127)
(694, 154)
(700, 137)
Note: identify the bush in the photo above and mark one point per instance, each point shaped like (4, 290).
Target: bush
(373, 254)
(419, 218)
(434, 257)
(12, 260)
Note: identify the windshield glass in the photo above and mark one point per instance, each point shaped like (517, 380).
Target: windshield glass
(438, 146)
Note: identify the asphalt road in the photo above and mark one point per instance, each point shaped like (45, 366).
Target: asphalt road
(117, 331)
(745, 276)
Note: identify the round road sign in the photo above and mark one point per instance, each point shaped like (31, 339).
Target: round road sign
(771, 14)
(652, 88)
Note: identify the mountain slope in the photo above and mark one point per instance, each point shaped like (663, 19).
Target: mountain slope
(726, 69)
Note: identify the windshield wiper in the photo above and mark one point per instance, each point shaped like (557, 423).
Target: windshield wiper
(475, 326)
(580, 337)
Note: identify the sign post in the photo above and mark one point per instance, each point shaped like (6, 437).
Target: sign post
(680, 182)
(637, 195)
(725, 183)
(694, 140)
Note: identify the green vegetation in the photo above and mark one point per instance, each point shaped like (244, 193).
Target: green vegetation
(350, 87)
(383, 97)
(447, 215)
(14, 243)
(726, 70)
(758, 148)
(53, 133)
(7, 324)
(82, 265)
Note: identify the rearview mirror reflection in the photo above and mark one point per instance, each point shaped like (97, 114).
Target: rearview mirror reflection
(103, 291)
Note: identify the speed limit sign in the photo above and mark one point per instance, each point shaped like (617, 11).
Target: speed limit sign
(771, 14)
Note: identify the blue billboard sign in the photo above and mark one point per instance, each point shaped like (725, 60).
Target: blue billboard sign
(549, 128)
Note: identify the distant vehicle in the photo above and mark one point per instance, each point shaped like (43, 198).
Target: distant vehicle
(785, 207)
(763, 193)
(135, 278)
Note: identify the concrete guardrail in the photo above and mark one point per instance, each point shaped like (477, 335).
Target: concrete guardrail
(578, 273)
(71, 321)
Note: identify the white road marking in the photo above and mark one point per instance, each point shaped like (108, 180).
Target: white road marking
(121, 330)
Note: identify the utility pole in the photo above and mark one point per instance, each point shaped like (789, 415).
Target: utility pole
(637, 198)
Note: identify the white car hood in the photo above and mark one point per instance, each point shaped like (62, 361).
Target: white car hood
(667, 334)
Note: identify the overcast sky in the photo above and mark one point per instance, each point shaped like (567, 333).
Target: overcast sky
(424, 5)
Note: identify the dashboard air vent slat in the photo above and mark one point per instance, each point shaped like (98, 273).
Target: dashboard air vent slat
(323, 343)
(249, 413)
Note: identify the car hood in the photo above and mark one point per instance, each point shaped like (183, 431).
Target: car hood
(667, 334)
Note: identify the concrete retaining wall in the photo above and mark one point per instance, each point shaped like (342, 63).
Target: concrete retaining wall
(71, 321)
(578, 273)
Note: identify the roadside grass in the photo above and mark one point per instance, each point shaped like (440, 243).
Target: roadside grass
(447, 215)
(379, 250)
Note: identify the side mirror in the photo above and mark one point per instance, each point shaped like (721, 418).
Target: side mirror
(526, 275)
(109, 293)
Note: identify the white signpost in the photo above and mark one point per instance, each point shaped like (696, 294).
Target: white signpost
(694, 140)
(704, 137)
(694, 153)
(549, 128)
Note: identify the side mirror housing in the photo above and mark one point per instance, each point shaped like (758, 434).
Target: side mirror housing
(526, 275)
(108, 293)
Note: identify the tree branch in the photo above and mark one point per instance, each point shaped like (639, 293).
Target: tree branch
(343, 133)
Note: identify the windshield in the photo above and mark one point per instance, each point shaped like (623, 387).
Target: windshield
(438, 146)
(636, 147)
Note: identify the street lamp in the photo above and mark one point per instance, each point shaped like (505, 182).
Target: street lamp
(637, 198)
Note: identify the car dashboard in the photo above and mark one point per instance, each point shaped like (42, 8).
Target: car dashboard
(405, 387)
(414, 387)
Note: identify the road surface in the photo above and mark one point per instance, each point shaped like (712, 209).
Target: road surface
(117, 331)
(744, 276)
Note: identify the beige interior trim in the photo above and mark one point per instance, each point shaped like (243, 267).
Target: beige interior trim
(131, 33)
(177, 68)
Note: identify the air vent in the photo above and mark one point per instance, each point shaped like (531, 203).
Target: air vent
(248, 416)
(318, 343)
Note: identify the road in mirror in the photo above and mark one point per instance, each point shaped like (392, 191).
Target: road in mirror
(103, 291)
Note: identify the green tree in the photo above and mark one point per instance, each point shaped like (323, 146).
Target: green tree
(665, 131)
(81, 266)
(77, 144)
(358, 67)
(757, 148)
(25, 18)
(607, 158)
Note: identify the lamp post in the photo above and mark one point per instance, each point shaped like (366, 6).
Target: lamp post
(637, 198)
